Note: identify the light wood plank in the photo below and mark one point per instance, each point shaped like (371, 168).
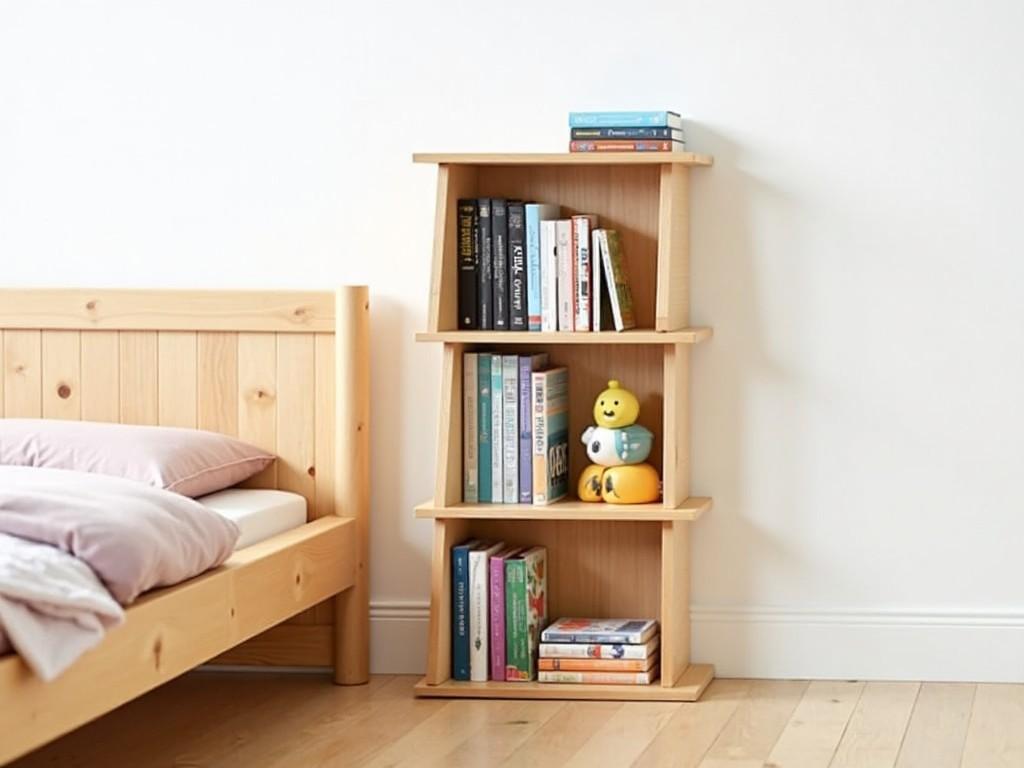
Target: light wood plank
(101, 381)
(938, 726)
(561, 737)
(138, 387)
(23, 375)
(995, 736)
(493, 743)
(750, 734)
(673, 292)
(453, 182)
(162, 310)
(295, 423)
(178, 379)
(569, 509)
(625, 736)
(447, 533)
(292, 645)
(636, 336)
(564, 158)
(873, 736)
(448, 477)
(257, 399)
(676, 430)
(218, 382)
(61, 371)
(813, 733)
(326, 427)
(675, 601)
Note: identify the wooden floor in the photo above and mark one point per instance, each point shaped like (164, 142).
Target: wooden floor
(251, 721)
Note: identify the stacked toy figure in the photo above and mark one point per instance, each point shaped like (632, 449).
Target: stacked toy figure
(618, 448)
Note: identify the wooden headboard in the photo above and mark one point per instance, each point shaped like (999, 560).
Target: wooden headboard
(284, 370)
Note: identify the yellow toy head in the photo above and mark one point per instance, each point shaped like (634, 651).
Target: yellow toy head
(616, 407)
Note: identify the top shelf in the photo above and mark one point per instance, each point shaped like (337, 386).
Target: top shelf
(564, 158)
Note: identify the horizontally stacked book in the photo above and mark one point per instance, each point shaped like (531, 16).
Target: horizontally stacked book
(525, 267)
(515, 421)
(655, 131)
(600, 651)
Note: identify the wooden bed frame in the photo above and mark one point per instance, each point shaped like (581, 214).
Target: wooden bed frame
(287, 371)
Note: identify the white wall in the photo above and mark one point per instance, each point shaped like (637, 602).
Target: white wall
(857, 247)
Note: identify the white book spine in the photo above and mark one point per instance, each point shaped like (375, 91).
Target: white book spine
(470, 433)
(581, 226)
(598, 651)
(479, 626)
(510, 428)
(497, 444)
(596, 267)
(563, 250)
(548, 277)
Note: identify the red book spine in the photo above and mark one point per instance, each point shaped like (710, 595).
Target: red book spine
(615, 145)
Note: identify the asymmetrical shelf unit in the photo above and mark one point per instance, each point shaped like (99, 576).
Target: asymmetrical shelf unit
(603, 560)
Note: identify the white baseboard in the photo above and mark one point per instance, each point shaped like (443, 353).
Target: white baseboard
(764, 642)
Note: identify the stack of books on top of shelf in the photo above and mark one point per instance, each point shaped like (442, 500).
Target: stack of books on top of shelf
(499, 604)
(652, 131)
(525, 267)
(515, 420)
(600, 651)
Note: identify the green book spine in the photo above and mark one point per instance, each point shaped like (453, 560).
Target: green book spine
(517, 643)
(484, 427)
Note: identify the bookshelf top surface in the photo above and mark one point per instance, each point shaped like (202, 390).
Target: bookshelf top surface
(569, 509)
(564, 158)
(682, 336)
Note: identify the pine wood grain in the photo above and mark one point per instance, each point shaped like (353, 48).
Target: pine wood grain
(938, 726)
(875, 732)
(812, 734)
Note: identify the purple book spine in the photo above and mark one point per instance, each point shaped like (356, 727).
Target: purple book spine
(497, 606)
(526, 367)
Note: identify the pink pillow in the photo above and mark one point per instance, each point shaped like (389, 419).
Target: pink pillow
(187, 461)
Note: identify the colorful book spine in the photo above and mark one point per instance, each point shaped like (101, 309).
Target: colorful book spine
(527, 365)
(535, 214)
(599, 651)
(620, 295)
(581, 229)
(563, 258)
(601, 678)
(517, 285)
(510, 428)
(669, 134)
(479, 615)
(469, 279)
(497, 611)
(600, 631)
(626, 145)
(626, 119)
(460, 610)
(484, 447)
(497, 436)
(596, 665)
(525, 611)
(470, 431)
(550, 435)
(486, 271)
(548, 276)
(499, 262)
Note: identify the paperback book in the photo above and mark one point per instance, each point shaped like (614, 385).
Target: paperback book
(485, 262)
(470, 431)
(537, 214)
(469, 279)
(600, 631)
(599, 651)
(600, 678)
(619, 293)
(526, 608)
(550, 435)
(499, 259)
(518, 285)
(528, 364)
(460, 609)
(665, 134)
(596, 665)
(479, 616)
(497, 610)
(626, 145)
(510, 428)
(626, 119)
(484, 447)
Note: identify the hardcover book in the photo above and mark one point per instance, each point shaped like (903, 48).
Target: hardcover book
(460, 609)
(596, 665)
(485, 270)
(600, 631)
(598, 651)
(626, 119)
(536, 213)
(527, 365)
(627, 145)
(499, 262)
(479, 615)
(548, 276)
(619, 293)
(550, 435)
(469, 279)
(670, 134)
(497, 434)
(518, 280)
(483, 407)
(601, 678)
(564, 259)
(581, 228)
(470, 433)
(510, 428)
(497, 610)
(526, 608)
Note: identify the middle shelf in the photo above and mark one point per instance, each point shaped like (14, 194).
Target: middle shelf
(693, 335)
(568, 509)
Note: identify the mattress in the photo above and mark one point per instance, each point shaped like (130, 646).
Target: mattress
(258, 512)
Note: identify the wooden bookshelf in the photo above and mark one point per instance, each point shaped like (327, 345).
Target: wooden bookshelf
(603, 560)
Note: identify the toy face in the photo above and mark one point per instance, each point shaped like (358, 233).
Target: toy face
(611, 447)
(631, 484)
(616, 407)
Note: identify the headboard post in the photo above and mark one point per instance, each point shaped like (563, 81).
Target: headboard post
(352, 478)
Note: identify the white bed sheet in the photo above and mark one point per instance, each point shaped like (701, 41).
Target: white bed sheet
(260, 513)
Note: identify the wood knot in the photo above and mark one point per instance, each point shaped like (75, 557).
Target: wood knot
(158, 649)
(311, 471)
(63, 391)
(232, 612)
(359, 427)
(300, 312)
(298, 579)
(91, 305)
(19, 368)
(260, 394)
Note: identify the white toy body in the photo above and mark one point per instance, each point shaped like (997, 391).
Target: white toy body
(615, 447)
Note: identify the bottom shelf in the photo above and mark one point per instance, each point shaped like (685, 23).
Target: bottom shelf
(689, 688)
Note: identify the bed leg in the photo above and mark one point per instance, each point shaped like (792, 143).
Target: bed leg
(352, 637)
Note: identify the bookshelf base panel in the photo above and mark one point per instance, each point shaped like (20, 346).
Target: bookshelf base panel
(689, 687)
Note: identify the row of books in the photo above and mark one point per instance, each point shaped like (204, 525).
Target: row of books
(522, 267)
(515, 419)
(599, 651)
(499, 605)
(643, 131)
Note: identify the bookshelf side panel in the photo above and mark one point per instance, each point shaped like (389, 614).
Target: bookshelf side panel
(675, 601)
(676, 470)
(453, 182)
(448, 472)
(447, 533)
(673, 291)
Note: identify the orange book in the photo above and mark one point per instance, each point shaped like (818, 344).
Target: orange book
(597, 665)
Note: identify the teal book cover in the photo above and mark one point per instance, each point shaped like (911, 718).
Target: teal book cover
(484, 427)
(497, 463)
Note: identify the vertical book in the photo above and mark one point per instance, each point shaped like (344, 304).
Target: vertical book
(564, 268)
(470, 432)
(497, 611)
(526, 610)
(479, 615)
(527, 365)
(510, 428)
(581, 228)
(517, 274)
(485, 271)
(484, 447)
(469, 279)
(460, 609)
(536, 215)
(497, 433)
(548, 276)
(499, 262)
(620, 295)
(550, 435)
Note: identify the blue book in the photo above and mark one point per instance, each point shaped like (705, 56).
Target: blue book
(460, 609)
(634, 119)
(484, 427)
(535, 214)
(527, 365)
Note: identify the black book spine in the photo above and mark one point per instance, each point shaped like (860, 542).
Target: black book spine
(499, 265)
(469, 279)
(486, 273)
(517, 266)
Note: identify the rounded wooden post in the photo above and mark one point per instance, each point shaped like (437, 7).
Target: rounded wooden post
(352, 478)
